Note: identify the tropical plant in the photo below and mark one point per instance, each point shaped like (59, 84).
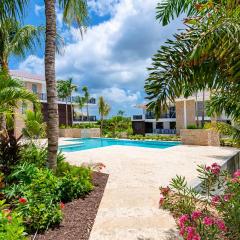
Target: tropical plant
(11, 224)
(34, 125)
(65, 88)
(11, 93)
(80, 102)
(207, 216)
(73, 12)
(103, 109)
(203, 56)
(86, 99)
(17, 40)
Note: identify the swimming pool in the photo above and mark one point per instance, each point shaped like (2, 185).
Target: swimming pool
(90, 143)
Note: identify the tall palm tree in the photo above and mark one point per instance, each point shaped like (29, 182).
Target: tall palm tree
(65, 88)
(17, 40)
(80, 102)
(73, 12)
(11, 93)
(103, 109)
(86, 99)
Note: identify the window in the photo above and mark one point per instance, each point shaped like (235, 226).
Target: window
(34, 88)
(172, 125)
(159, 125)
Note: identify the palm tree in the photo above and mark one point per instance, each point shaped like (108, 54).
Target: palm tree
(65, 89)
(103, 109)
(86, 100)
(80, 102)
(11, 93)
(73, 12)
(17, 40)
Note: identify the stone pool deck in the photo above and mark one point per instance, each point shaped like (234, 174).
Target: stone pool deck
(129, 208)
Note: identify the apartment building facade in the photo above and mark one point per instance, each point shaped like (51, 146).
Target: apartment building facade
(36, 84)
(185, 112)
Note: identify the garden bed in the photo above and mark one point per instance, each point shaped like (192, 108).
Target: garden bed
(79, 215)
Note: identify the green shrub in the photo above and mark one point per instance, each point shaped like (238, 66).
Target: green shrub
(81, 125)
(155, 137)
(11, 224)
(75, 181)
(192, 126)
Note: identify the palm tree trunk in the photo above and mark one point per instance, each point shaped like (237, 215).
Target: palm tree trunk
(88, 114)
(71, 109)
(66, 114)
(196, 109)
(101, 129)
(203, 108)
(53, 120)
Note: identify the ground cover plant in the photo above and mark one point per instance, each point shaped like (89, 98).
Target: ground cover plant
(81, 125)
(155, 137)
(211, 213)
(35, 195)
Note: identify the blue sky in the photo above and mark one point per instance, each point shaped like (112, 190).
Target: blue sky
(112, 57)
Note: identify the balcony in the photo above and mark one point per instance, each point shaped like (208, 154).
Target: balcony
(164, 131)
(84, 119)
(43, 97)
(137, 117)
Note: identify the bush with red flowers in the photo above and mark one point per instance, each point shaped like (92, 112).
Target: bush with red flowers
(204, 214)
(11, 224)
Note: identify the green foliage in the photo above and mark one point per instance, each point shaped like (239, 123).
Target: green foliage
(81, 125)
(11, 224)
(75, 181)
(155, 137)
(116, 126)
(34, 125)
(193, 126)
(208, 216)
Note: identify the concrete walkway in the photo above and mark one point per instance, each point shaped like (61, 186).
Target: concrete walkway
(129, 208)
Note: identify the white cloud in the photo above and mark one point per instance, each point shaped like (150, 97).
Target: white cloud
(33, 64)
(102, 7)
(113, 56)
(38, 9)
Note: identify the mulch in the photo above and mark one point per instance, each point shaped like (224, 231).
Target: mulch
(79, 215)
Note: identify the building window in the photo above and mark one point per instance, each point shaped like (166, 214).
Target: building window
(159, 125)
(24, 108)
(34, 88)
(172, 125)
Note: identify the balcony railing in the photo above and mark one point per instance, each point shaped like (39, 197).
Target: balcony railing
(43, 97)
(137, 117)
(164, 131)
(85, 119)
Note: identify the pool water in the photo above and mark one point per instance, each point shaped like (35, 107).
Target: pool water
(90, 143)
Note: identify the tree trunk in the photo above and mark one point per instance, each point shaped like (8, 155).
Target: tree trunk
(196, 107)
(50, 48)
(101, 129)
(88, 113)
(71, 109)
(203, 108)
(66, 114)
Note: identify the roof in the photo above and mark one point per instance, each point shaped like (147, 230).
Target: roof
(23, 74)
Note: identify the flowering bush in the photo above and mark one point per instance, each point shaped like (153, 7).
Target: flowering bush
(205, 214)
(11, 225)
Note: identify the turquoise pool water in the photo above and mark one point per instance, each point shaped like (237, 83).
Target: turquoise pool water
(89, 143)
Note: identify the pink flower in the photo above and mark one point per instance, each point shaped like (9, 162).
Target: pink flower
(165, 190)
(196, 237)
(215, 200)
(221, 225)
(235, 180)
(196, 214)
(215, 165)
(208, 168)
(208, 221)
(161, 201)
(237, 174)
(183, 219)
(227, 197)
(182, 231)
(215, 168)
(190, 233)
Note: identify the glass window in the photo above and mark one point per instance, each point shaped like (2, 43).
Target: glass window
(34, 88)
